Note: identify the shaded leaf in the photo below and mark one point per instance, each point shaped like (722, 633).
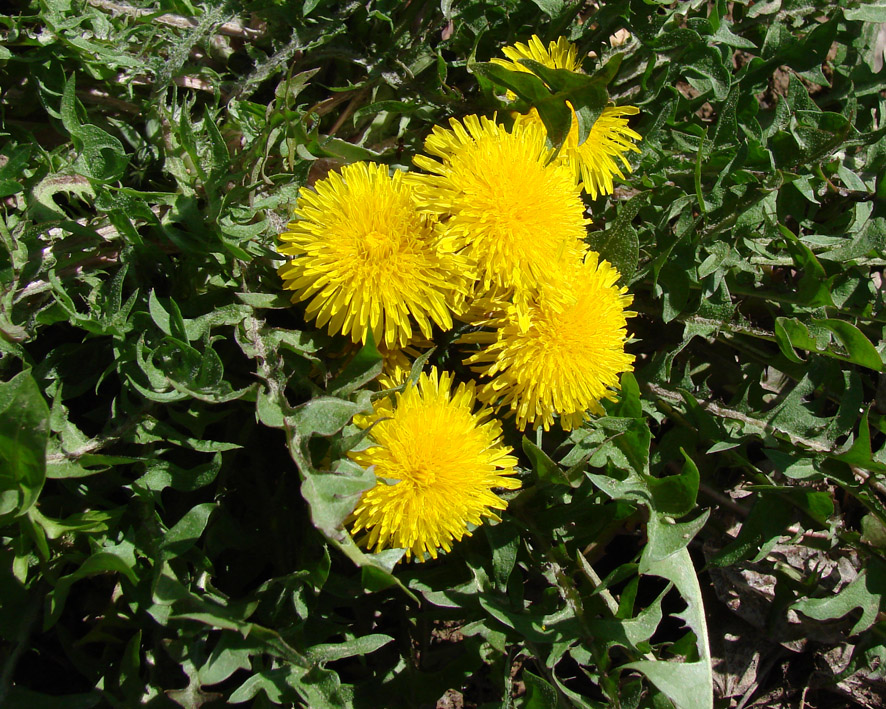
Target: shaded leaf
(187, 530)
(24, 432)
(363, 645)
(539, 693)
(865, 593)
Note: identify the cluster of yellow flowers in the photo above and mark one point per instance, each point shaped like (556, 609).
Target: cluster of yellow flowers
(491, 234)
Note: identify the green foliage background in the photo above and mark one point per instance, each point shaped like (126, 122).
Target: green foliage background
(172, 481)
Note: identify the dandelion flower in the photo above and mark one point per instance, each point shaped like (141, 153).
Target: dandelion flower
(561, 54)
(367, 260)
(516, 216)
(396, 366)
(397, 362)
(567, 359)
(596, 160)
(437, 464)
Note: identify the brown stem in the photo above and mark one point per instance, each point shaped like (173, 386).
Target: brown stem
(229, 29)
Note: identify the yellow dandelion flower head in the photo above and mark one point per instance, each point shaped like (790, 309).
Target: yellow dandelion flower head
(397, 362)
(437, 464)
(561, 54)
(517, 216)
(596, 160)
(569, 356)
(488, 304)
(367, 260)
